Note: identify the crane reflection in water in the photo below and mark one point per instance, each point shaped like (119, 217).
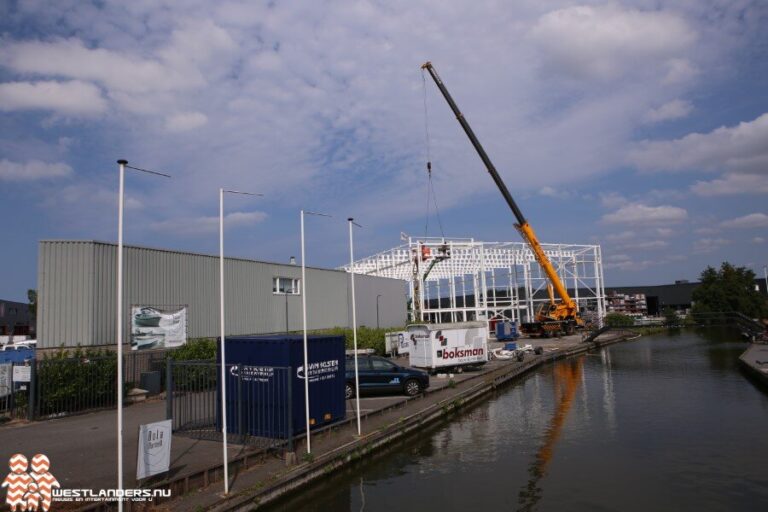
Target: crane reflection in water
(567, 376)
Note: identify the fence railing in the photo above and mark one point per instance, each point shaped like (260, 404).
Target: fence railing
(62, 386)
(259, 402)
(12, 395)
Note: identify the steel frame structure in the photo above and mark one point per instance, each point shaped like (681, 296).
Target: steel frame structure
(487, 280)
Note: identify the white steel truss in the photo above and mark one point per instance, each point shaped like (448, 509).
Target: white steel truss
(460, 279)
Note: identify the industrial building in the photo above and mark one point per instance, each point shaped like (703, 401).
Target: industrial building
(15, 319)
(463, 279)
(77, 293)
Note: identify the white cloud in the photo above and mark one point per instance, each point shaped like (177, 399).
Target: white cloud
(174, 69)
(675, 109)
(607, 41)
(650, 245)
(679, 71)
(185, 121)
(732, 184)
(630, 265)
(84, 197)
(68, 98)
(612, 199)
(207, 225)
(548, 191)
(621, 237)
(640, 214)
(707, 245)
(296, 110)
(753, 220)
(740, 148)
(758, 240)
(32, 170)
(665, 232)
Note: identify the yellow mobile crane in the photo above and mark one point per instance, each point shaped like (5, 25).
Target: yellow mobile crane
(551, 318)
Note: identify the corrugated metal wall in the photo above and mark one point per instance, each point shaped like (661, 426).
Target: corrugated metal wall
(77, 293)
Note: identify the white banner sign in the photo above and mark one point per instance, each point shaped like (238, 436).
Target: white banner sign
(153, 327)
(22, 373)
(6, 383)
(154, 449)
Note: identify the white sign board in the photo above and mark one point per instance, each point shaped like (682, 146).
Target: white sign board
(154, 449)
(22, 373)
(153, 327)
(6, 382)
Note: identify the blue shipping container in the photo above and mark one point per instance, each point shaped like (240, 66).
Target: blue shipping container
(265, 399)
(506, 331)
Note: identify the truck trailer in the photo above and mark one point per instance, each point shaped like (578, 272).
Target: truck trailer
(449, 346)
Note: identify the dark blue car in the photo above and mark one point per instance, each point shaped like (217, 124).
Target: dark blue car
(378, 374)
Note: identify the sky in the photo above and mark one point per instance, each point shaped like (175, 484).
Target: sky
(639, 125)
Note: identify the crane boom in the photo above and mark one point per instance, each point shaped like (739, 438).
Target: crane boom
(567, 309)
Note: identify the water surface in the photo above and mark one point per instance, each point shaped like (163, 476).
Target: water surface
(667, 422)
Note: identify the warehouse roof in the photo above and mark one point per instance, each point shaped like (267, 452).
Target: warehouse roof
(187, 253)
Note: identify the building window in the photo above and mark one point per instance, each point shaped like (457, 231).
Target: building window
(286, 285)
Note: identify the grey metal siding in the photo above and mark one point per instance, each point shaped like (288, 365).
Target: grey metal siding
(392, 301)
(77, 287)
(65, 299)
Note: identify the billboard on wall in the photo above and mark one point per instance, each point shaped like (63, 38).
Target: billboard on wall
(158, 327)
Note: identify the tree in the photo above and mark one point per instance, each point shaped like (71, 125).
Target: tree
(670, 316)
(729, 289)
(619, 320)
(32, 297)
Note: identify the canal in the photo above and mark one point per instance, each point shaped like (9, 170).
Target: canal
(667, 422)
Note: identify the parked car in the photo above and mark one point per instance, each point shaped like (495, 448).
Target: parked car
(19, 345)
(378, 374)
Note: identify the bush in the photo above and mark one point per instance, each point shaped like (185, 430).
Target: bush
(618, 320)
(195, 350)
(74, 380)
(366, 337)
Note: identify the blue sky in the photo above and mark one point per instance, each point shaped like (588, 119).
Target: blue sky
(638, 125)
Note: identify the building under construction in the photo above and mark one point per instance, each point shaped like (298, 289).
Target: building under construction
(461, 279)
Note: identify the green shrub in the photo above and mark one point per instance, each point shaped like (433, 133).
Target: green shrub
(74, 380)
(366, 337)
(198, 349)
(618, 320)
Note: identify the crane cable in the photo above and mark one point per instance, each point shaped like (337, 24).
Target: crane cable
(430, 185)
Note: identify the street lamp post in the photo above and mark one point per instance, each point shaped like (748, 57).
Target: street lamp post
(123, 164)
(354, 320)
(303, 292)
(377, 311)
(223, 372)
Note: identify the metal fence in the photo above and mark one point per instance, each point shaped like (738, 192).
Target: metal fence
(259, 402)
(62, 386)
(14, 395)
(70, 386)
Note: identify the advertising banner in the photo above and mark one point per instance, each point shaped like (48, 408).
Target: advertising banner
(154, 449)
(155, 327)
(6, 382)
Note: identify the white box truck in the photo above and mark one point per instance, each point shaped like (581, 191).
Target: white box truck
(397, 343)
(452, 346)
